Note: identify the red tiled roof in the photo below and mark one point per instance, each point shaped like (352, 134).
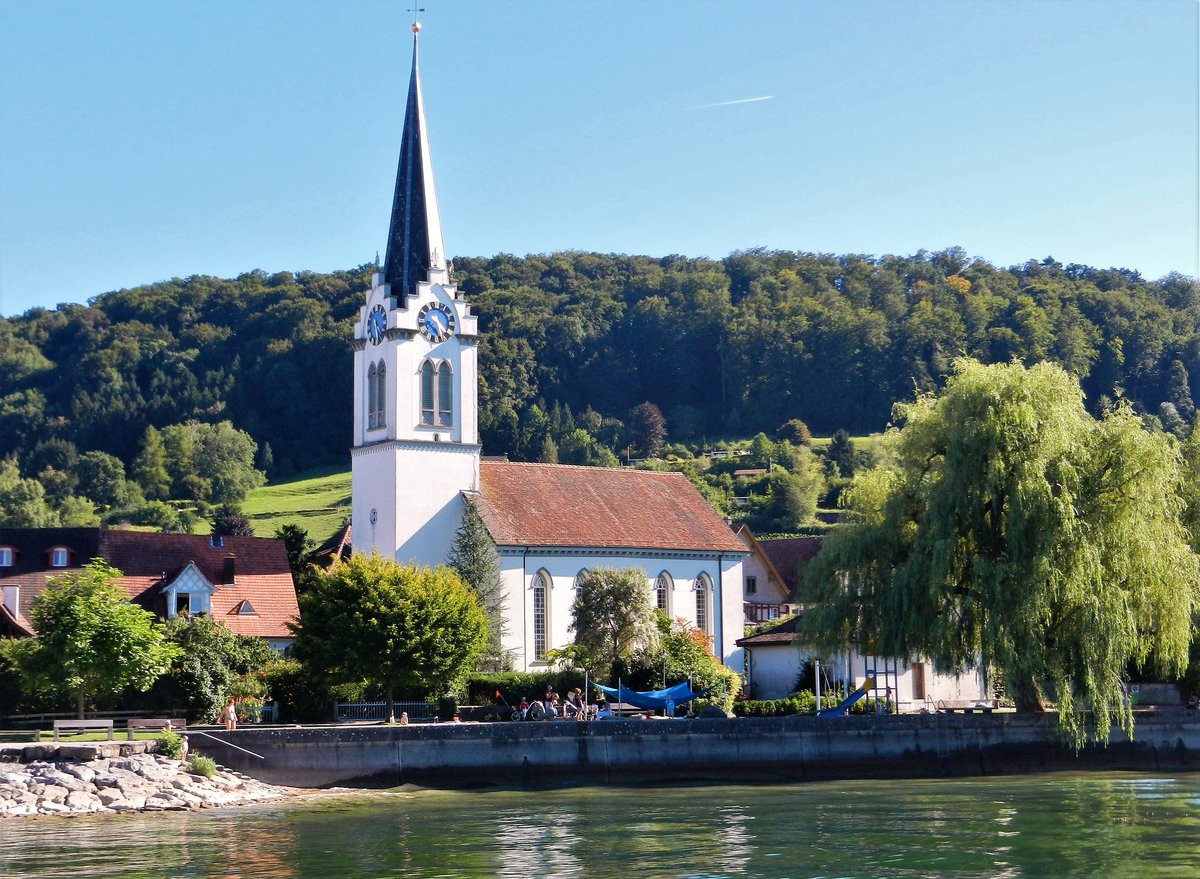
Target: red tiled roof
(788, 555)
(561, 505)
(148, 560)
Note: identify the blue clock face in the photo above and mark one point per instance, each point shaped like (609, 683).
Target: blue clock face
(376, 324)
(436, 322)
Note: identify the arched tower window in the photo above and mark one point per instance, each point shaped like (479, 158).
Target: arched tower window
(428, 392)
(445, 396)
(703, 615)
(371, 392)
(662, 593)
(541, 614)
(381, 396)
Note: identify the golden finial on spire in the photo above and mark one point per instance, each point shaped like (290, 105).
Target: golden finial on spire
(416, 26)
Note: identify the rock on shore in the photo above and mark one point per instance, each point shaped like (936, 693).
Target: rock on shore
(136, 782)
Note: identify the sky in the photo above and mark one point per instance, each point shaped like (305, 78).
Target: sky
(141, 141)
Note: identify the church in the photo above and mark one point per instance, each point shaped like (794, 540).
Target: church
(416, 459)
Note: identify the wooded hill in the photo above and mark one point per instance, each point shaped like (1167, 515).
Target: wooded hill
(574, 342)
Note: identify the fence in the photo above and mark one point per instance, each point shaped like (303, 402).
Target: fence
(351, 711)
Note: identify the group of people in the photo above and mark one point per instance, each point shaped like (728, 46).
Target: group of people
(552, 707)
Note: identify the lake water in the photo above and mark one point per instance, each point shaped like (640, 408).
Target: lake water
(1059, 826)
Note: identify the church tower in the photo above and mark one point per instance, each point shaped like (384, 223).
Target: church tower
(416, 435)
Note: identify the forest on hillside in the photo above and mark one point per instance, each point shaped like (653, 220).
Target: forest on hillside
(181, 383)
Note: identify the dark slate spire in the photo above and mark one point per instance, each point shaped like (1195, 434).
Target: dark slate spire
(415, 237)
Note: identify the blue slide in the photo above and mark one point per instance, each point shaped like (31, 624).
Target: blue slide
(838, 711)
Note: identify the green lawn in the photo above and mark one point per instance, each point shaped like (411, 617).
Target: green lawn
(317, 501)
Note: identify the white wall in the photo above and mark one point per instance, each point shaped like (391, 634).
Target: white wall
(518, 569)
(774, 668)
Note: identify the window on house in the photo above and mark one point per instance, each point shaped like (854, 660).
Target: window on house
(579, 583)
(59, 557)
(751, 585)
(702, 614)
(246, 609)
(662, 593)
(6, 557)
(216, 540)
(540, 616)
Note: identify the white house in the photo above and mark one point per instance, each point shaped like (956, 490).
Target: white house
(416, 455)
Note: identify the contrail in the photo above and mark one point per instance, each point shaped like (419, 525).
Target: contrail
(738, 101)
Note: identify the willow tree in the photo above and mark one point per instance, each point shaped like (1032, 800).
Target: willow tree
(1010, 529)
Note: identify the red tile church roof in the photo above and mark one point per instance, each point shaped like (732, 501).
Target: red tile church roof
(559, 505)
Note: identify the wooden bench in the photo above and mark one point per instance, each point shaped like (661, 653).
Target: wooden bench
(175, 724)
(80, 725)
(959, 706)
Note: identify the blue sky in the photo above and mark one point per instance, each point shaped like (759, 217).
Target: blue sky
(145, 140)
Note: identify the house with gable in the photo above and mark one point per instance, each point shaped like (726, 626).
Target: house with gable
(244, 582)
(775, 654)
(416, 459)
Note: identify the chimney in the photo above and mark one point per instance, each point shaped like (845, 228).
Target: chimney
(227, 572)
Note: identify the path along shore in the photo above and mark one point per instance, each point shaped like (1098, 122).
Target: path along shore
(96, 777)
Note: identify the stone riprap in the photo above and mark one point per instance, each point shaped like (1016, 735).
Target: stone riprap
(113, 777)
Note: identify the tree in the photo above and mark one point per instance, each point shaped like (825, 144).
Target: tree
(612, 619)
(91, 640)
(685, 652)
(649, 430)
(22, 501)
(473, 558)
(150, 467)
(102, 479)
(228, 521)
(209, 659)
(224, 455)
(296, 544)
(795, 432)
(841, 453)
(1016, 532)
(371, 619)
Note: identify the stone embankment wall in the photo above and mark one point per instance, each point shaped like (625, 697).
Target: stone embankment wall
(54, 779)
(642, 751)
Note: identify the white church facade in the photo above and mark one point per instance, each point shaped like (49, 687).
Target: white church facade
(416, 458)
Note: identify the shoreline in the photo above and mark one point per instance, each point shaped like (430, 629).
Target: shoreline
(112, 778)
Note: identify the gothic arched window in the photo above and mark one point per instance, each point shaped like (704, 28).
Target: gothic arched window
(541, 614)
(579, 583)
(703, 591)
(381, 396)
(428, 391)
(662, 593)
(371, 404)
(444, 395)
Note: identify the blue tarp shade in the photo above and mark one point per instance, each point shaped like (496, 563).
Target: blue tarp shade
(652, 699)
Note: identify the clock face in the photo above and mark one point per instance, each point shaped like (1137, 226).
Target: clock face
(376, 324)
(436, 322)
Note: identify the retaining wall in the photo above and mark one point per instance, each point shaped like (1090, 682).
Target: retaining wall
(646, 751)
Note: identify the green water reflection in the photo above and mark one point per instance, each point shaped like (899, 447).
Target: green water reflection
(1102, 825)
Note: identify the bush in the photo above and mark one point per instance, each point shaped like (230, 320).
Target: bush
(170, 744)
(302, 696)
(198, 764)
(447, 707)
(802, 702)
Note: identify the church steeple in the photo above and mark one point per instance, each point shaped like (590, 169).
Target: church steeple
(415, 236)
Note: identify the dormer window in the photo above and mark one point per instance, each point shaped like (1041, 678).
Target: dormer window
(60, 557)
(246, 609)
(216, 541)
(6, 556)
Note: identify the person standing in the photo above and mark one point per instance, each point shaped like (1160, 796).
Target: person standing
(229, 714)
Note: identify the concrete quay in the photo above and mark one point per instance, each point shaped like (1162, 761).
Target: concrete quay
(742, 749)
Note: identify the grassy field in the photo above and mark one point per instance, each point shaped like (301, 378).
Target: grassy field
(317, 501)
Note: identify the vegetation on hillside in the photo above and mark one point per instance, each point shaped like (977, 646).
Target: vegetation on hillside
(192, 389)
